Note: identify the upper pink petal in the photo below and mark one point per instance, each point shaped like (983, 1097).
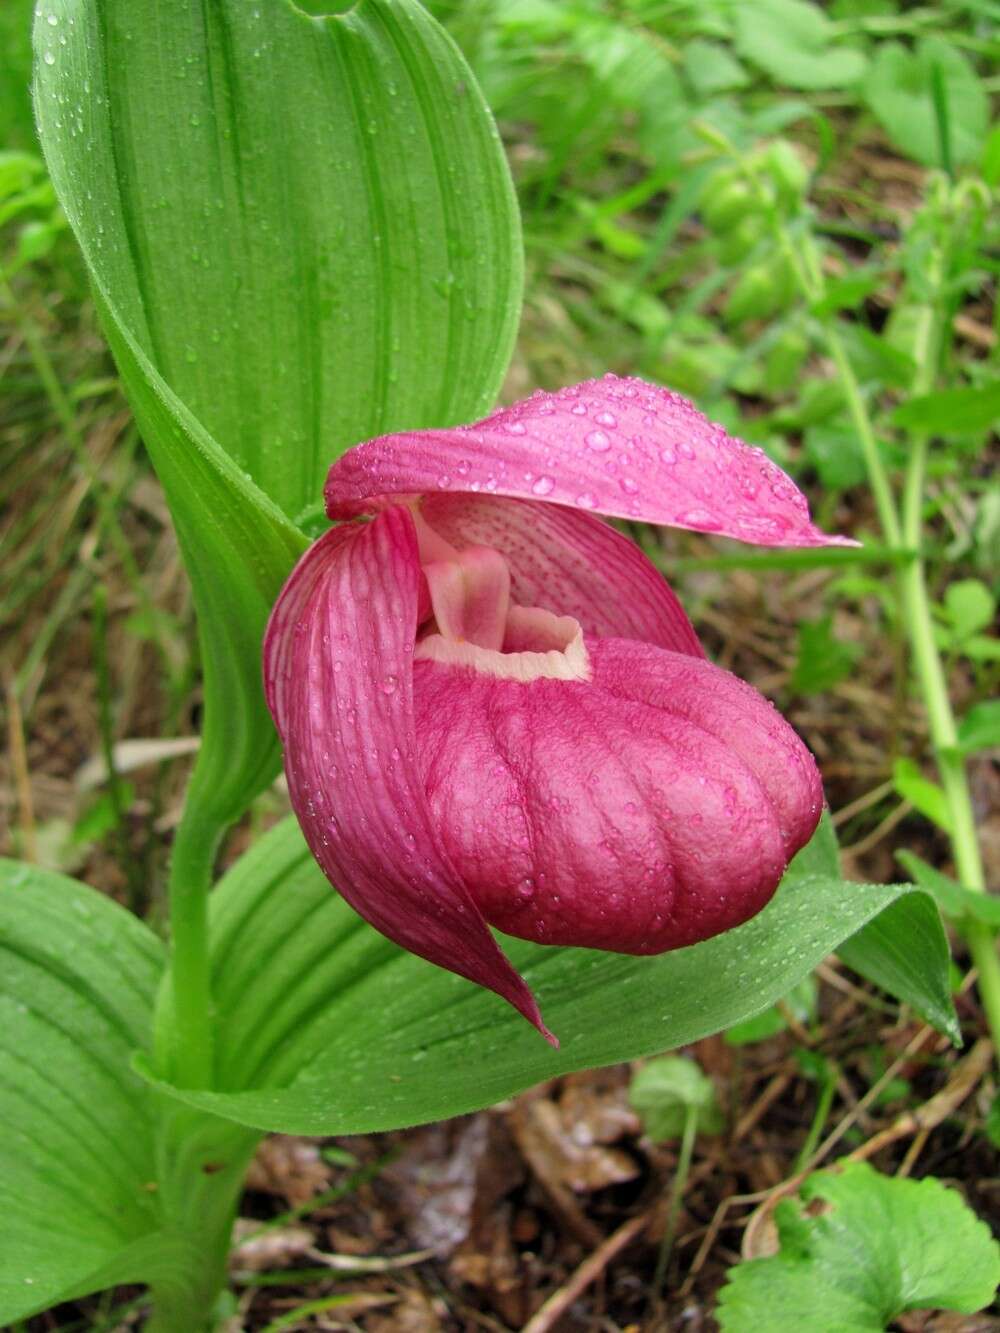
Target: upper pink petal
(338, 670)
(618, 446)
(571, 562)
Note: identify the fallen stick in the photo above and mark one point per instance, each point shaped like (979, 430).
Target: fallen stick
(560, 1301)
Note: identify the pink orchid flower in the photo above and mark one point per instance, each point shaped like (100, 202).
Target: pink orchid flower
(495, 711)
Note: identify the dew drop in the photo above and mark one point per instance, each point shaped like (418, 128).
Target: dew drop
(684, 450)
(515, 428)
(700, 518)
(543, 486)
(586, 500)
(629, 486)
(668, 456)
(606, 419)
(598, 440)
(49, 58)
(390, 684)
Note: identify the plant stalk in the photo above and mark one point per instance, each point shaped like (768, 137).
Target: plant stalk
(904, 533)
(676, 1192)
(189, 1056)
(201, 1168)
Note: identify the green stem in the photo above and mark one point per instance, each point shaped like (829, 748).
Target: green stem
(934, 687)
(189, 1055)
(823, 1103)
(877, 475)
(904, 533)
(200, 1171)
(676, 1193)
(809, 274)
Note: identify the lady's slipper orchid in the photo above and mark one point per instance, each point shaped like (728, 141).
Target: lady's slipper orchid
(494, 710)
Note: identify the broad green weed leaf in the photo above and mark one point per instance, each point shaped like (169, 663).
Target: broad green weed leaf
(823, 659)
(795, 43)
(77, 980)
(326, 1027)
(899, 90)
(952, 411)
(833, 450)
(980, 728)
(710, 68)
(877, 1247)
(923, 794)
(246, 184)
(970, 607)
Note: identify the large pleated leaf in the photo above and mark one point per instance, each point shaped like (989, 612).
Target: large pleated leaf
(77, 979)
(307, 224)
(300, 231)
(326, 1027)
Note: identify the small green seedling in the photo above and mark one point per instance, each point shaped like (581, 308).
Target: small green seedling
(674, 1099)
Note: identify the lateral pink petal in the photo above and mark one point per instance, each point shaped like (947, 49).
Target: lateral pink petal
(573, 563)
(338, 671)
(619, 446)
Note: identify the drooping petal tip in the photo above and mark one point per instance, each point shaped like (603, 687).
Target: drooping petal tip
(615, 446)
(338, 676)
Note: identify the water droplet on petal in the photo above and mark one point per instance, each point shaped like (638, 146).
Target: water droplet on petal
(514, 428)
(390, 684)
(543, 486)
(598, 440)
(684, 450)
(629, 486)
(586, 501)
(700, 518)
(668, 456)
(606, 419)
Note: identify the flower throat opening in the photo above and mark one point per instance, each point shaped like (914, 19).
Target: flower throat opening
(472, 621)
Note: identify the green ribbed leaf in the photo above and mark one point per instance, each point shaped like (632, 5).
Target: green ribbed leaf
(77, 979)
(326, 1027)
(301, 232)
(307, 224)
(902, 949)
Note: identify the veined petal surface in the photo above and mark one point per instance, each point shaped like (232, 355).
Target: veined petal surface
(571, 561)
(619, 446)
(338, 670)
